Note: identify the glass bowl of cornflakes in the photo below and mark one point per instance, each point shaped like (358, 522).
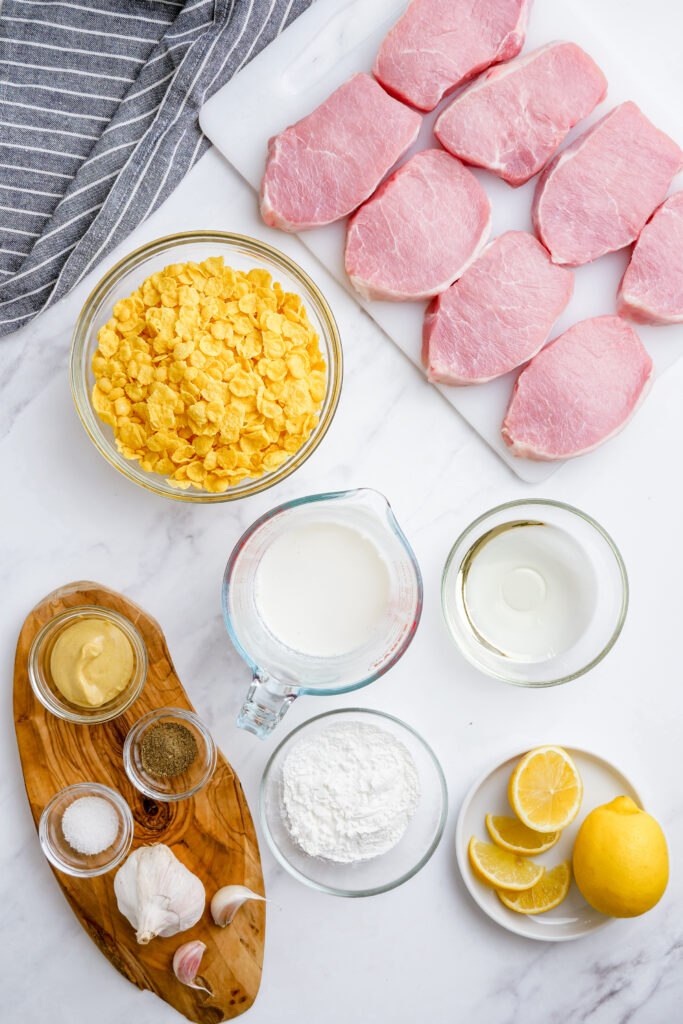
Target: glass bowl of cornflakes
(206, 366)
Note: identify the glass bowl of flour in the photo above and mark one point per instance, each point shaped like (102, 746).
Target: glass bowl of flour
(353, 802)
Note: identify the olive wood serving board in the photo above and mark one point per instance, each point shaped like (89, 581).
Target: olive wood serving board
(212, 833)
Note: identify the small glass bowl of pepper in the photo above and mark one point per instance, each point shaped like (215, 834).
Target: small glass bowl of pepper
(169, 754)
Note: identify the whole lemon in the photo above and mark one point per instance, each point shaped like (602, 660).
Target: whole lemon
(621, 863)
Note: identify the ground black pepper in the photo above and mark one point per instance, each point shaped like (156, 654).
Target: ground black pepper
(167, 749)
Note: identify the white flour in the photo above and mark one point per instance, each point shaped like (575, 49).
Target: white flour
(349, 792)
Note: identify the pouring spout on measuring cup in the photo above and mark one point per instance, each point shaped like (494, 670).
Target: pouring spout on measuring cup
(266, 704)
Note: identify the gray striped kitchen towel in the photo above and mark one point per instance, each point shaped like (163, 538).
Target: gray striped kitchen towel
(99, 105)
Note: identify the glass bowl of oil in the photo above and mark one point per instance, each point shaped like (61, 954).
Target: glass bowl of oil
(534, 593)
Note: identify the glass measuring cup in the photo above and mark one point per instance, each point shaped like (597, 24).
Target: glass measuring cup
(281, 673)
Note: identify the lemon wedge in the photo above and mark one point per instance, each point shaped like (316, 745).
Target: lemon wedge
(510, 834)
(502, 869)
(544, 895)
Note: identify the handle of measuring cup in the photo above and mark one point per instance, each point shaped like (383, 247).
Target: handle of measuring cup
(267, 702)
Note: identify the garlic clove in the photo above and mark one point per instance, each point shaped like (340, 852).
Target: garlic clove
(228, 900)
(186, 961)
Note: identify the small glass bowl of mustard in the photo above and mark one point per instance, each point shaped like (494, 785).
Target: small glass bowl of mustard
(184, 780)
(40, 666)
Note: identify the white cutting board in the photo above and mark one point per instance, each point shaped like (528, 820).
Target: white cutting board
(326, 45)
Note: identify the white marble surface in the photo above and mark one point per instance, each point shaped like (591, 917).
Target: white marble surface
(423, 952)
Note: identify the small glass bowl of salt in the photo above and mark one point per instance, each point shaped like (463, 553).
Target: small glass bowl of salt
(86, 829)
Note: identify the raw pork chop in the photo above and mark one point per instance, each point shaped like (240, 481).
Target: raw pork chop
(597, 194)
(651, 290)
(439, 44)
(498, 315)
(513, 118)
(323, 167)
(419, 232)
(579, 391)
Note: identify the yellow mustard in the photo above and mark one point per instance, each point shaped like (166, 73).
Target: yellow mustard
(91, 662)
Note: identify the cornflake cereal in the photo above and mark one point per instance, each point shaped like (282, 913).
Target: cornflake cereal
(209, 375)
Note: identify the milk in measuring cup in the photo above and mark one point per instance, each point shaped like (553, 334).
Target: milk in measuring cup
(322, 588)
(529, 590)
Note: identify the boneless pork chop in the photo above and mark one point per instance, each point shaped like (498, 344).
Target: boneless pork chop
(324, 166)
(514, 117)
(497, 315)
(438, 44)
(579, 391)
(419, 232)
(651, 290)
(596, 195)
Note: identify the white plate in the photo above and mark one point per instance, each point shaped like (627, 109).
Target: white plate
(326, 45)
(573, 918)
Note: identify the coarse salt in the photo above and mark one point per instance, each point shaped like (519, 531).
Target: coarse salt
(90, 825)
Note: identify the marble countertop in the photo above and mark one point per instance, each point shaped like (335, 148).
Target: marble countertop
(423, 952)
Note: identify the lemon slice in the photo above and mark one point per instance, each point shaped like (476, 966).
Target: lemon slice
(510, 834)
(502, 869)
(546, 894)
(545, 789)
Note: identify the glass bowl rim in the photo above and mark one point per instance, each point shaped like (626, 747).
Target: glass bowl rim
(88, 789)
(133, 733)
(156, 246)
(131, 692)
(375, 890)
(572, 510)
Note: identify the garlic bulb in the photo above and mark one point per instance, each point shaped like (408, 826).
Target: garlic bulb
(158, 894)
(186, 961)
(228, 901)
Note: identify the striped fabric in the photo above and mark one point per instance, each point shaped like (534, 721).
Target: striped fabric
(99, 104)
